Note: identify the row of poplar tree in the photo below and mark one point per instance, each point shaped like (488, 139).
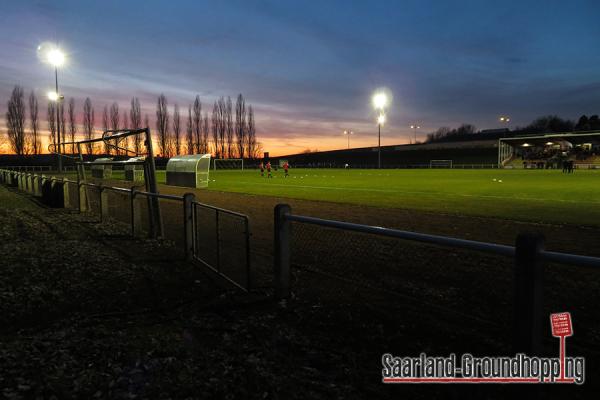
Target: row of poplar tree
(229, 132)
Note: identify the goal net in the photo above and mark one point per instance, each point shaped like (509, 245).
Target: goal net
(440, 164)
(229, 163)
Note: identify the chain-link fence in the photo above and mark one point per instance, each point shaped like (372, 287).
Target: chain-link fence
(393, 279)
(489, 295)
(222, 243)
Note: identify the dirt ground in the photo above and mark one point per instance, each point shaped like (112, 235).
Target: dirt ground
(463, 292)
(355, 297)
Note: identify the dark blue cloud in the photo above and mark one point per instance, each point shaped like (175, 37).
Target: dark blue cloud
(310, 67)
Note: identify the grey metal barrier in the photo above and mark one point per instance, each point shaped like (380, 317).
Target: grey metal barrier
(215, 237)
(222, 243)
(528, 254)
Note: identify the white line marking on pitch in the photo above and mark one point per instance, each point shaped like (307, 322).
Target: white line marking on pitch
(424, 193)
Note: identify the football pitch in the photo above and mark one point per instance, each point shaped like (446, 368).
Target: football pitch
(547, 196)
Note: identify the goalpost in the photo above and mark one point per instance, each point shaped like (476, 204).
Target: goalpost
(440, 163)
(228, 163)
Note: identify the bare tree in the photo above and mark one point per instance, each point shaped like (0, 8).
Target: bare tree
(15, 121)
(72, 123)
(125, 141)
(105, 127)
(189, 132)
(147, 125)
(197, 121)
(114, 123)
(88, 124)
(177, 129)
(63, 126)
(33, 116)
(215, 129)
(253, 148)
(229, 128)
(162, 125)
(240, 125)
(51, 118)
(205, 134)
(135, 116)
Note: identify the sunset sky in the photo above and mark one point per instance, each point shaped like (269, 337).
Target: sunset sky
(309, 68)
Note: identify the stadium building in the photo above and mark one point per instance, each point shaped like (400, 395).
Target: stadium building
(550, 151)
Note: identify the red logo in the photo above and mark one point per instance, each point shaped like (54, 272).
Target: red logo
(561, 324)
(561, 328)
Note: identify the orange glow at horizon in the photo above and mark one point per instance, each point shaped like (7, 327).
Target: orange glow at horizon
(275, 147)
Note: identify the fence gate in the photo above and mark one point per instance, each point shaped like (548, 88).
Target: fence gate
(222, 243)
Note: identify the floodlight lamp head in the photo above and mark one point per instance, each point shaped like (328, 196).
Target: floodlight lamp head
(56, 57)
(380, 100)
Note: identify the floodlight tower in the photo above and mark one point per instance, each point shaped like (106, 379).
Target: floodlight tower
(504, 120)
(348, 133)
(380, 101)
(414, 128)
(56, 58)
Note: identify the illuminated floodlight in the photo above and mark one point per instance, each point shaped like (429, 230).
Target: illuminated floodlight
(381, 119)
(380, 100)
(549, 144)
(53, 96)
(526, 145)
(504, 119)
(415, 127)
(56, 57)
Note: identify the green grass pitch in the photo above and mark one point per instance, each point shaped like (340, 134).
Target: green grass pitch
(532, 195)
(546, 196)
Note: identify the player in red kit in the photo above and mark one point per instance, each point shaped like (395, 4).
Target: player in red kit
(286, 167)
(269, 170)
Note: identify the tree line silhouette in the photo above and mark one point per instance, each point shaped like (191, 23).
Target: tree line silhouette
(546, 124)
(229, 132)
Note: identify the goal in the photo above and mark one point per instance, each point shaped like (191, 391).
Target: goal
(440, 163)
(229, 163)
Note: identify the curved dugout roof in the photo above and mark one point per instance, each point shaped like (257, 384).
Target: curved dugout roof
(186, 163)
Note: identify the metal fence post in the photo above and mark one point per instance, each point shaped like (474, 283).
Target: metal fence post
(66, 197)
(528, 294)
(103, 204)
(83, 201)
(188, 224)
(282, 252)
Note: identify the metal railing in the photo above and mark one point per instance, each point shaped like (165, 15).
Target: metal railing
(190, 225)
(28, 168)
(528, 254)
(239, 225)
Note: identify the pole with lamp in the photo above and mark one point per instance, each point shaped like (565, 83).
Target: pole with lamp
(57, 58)
(414, 128)
(348, 133)
(380, 101)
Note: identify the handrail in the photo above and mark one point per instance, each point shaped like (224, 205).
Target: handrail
(499, 249)
(111, 162)
(158, 195)
(237, 214)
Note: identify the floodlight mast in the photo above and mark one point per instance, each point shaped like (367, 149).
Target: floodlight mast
(380, 101)
(348, 133)
(57, 58)
(414, 128)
